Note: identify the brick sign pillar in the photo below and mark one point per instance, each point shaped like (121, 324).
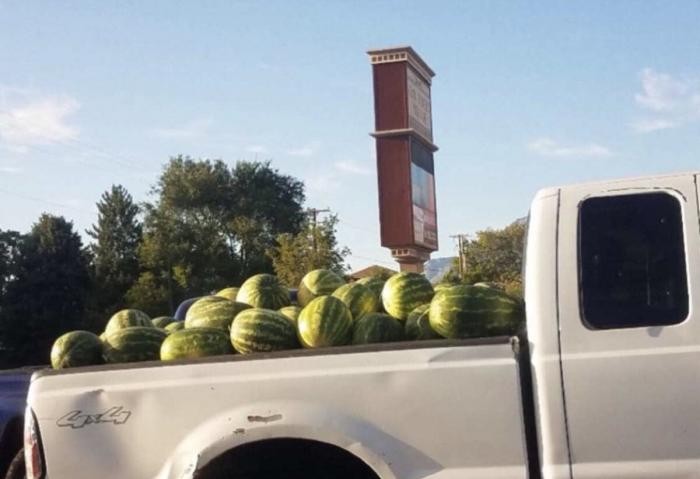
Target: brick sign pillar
(405, 166)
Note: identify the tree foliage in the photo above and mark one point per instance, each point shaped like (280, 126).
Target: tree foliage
(210, 226)
(311, 248)
(45, 292)
(117, 237)
(495, 255)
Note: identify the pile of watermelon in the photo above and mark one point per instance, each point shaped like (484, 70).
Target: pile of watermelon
(259, 317)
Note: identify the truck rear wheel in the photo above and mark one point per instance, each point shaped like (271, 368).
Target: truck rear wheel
(17, 469)
(288, 459)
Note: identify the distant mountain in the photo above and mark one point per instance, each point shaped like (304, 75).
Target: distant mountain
(436, 268)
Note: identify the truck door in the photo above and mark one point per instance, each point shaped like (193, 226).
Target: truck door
(628, 273)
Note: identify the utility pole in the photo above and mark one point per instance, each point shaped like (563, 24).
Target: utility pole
(461, 237)
(313, 212)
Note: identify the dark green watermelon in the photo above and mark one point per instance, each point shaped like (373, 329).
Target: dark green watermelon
(318, 282)
(473, 311)
(76, 348)
(127, 318)
(263, 330)
(404, 292)
(418, 324)
(213, 312)
(358, 298)
(263, 291)
(377, 328)
(325, 321)
(195, 343)
(137, 343)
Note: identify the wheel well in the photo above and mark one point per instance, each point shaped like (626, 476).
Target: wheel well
(288, 459)
(10, 442)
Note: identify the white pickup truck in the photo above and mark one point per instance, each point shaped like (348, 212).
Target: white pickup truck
(605, 384)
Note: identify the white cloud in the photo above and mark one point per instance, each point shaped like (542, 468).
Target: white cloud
(10, 169)
(352, 167)
(323, 183)
(310, 149)
(653, 124)
(551, 148)
(673, 101)
(28, 119)
(193, 129)
(256, 149)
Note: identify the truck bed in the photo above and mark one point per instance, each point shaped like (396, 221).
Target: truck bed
(438, 409)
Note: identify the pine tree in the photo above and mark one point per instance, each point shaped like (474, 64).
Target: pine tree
(117, 237)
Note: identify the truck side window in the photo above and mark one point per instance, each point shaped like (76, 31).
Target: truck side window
(632, 268)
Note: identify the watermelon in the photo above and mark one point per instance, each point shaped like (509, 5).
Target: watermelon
(76, 348)
(213, 312)
(175, 326)
(404, 292)
(441, 286)
(195, 343)
(418, 324)
(291, 313)
(228, 293)
(127, 318)
(358, 298)
(325, 321)
(377, 328)
(162, 321)
(263, 291)
(263, 330)
(137, 343)
(375, 284)
(473, 311)
(318, 282)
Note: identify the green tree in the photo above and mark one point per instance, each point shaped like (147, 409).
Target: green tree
(45, 296)
(210, 226)
(311, 248)
(9, 245)
(117, 235)
(496, 255)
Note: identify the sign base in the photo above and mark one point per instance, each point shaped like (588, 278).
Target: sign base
(410, 259)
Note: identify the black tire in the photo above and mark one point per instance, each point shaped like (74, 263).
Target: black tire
(17, 469)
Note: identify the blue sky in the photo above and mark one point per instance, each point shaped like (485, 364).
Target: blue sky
(527, 95)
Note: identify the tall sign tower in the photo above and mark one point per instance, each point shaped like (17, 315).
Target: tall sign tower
(405, 167)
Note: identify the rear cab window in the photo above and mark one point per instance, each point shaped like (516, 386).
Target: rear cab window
(632, 267)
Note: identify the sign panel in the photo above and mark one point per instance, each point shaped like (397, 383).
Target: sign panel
(423, 196)
(419, 109)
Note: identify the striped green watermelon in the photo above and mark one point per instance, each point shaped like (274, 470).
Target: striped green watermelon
(358, 298)
(262, 330)
(418, 324)
(375, 284)
(175, 326)
(127, 318)
(377, 328)
(263, 291)
(291, 312)
(195, 343)
(318, 282)
(441, 286)
(228, 293)
(137, 343)
(404, 292)
(213, 312)
(473, 311)
(76, 348)
(162, 321)
(325, 321)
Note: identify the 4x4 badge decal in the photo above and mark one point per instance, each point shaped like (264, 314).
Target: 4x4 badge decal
(76, 419)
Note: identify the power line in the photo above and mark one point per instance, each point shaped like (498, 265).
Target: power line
(42, 200)
(461, 237)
